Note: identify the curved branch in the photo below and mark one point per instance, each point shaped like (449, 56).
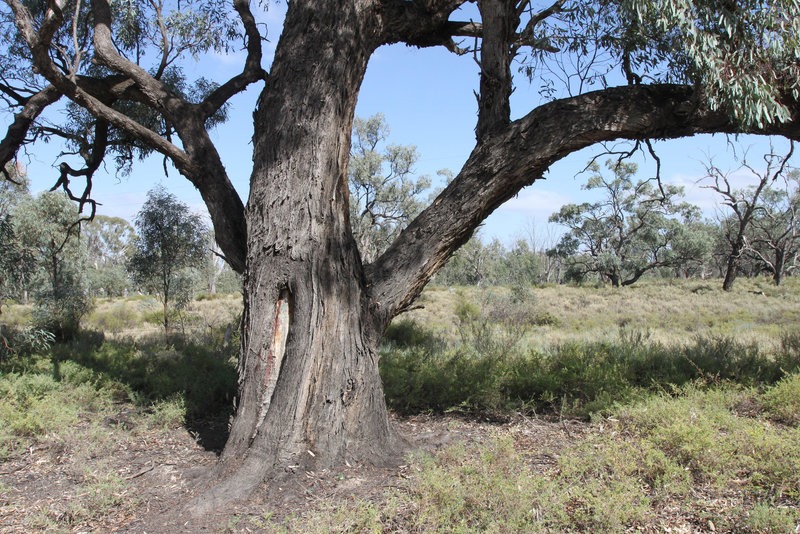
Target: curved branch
(39, 45)
(199, 162)
(18, 129)
(94, 158)
(158, 96)
(223, 202)
(519, 155)
(252, 71)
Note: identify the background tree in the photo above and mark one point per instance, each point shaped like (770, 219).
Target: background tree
(14, 189)
(315, 312)
(48, 228)
(215, 273)
(744, 204)
(636, 228)
(109, 243)
(475, 263)
(384, 193)
(170, 240)
(698, 240)
(16, 264)
(774, 236)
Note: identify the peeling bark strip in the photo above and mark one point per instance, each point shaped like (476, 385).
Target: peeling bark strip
(280, 330)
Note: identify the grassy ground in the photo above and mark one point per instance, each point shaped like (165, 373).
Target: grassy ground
(687, 402)
(671, 312)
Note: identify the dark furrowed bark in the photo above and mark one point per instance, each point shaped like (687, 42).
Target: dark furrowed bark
(499, 25)
(315, 401)
(223, 202)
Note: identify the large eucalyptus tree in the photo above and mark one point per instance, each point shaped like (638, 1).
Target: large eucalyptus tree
(309, 390)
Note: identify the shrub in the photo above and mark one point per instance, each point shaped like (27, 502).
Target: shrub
(782, 401)
(489, 370)
(761, 459)
(24, 341)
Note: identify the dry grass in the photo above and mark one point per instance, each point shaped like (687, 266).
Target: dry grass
(140, 317)
(672, 312)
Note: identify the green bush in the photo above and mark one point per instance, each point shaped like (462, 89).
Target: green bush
(782, 401)
(489, 371)
(24, 341)
(701, 430)
(119, 316)
(34, 404)
(204, 378)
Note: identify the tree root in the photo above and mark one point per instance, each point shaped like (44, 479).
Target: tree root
(236, 486)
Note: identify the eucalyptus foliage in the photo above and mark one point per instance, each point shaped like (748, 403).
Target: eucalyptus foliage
(47, 228)
(745, 55)
(170, 240)
(385, 193)
(636, 227)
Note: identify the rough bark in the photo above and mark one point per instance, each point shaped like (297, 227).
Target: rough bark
(309, 393)
(499, 23)
(31, 108)
(732, 267)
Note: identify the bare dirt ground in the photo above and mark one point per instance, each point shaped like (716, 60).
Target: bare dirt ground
(136, 480)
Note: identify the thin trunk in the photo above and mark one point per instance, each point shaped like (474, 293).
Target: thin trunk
(166, 321)
(780, 266)
(732, 268)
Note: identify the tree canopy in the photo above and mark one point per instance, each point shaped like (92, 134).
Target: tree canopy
(636, 227)
(385, 194)
(170, 239)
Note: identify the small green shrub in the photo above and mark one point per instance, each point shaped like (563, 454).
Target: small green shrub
(765, 519)
(407, 333)
(701, 431)
(24, 341)
(200, 297)
(782, 401)
(168, 414)
(34, 404)
(119, 316)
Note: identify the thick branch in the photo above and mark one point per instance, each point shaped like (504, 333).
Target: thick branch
(517, 156)
(158, 96)
(494, 108)
(39, 45)
(223, 202)
(18, 129)
(199, 163)
(423, 24)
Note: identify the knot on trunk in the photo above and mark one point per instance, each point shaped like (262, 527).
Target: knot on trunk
(349, 393)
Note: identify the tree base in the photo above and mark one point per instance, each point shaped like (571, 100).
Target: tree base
(225, 485)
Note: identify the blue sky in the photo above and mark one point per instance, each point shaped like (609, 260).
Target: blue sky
(427, 98)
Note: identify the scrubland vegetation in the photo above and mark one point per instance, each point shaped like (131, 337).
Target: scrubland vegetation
(688, 397)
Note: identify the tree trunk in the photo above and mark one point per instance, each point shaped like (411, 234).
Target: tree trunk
(166, 320)
(730, 272)
(780, 266)
(310, 396)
